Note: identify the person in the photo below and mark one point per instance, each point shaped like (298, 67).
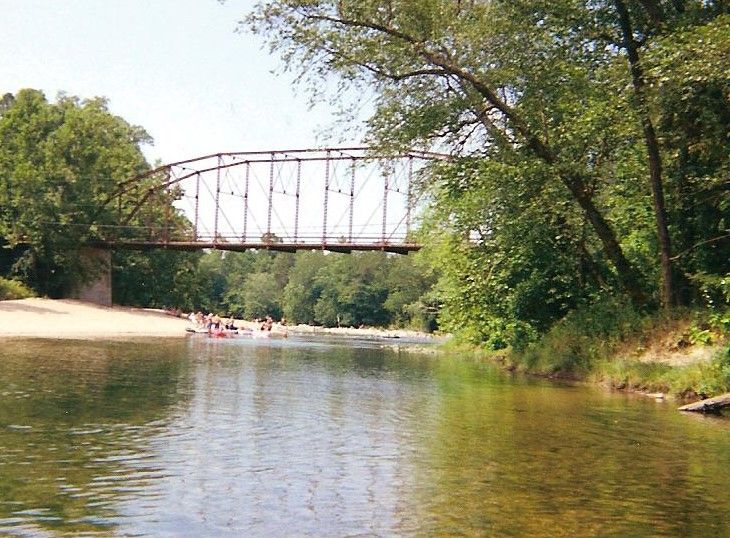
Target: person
(267, 324)
(231, 324)
(215, 322)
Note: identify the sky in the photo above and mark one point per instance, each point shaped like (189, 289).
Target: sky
(178, 68)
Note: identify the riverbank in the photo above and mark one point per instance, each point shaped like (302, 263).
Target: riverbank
(71, 319)
(685, 355)
(666, 357)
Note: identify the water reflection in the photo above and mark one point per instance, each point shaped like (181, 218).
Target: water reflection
(204, 437)
(74, 417)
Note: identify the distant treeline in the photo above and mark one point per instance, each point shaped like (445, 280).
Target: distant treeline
(369, 288)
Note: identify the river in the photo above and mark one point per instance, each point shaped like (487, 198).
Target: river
(325, 437)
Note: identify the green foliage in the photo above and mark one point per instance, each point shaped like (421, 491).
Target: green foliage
(525, 263)
(583, 337)
(260, 296)
(158, 279)
(352, 291)
(303, 290)
(13, 289)
(714, 289)
(551, 208)
(310, 287)
(59, 162)
(709, 327)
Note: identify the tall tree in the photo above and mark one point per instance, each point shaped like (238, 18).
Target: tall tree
(59, 164)
(631, 45)
(459, 72)
(535, 81)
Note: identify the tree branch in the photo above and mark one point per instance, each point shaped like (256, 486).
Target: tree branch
(443, 62)
(697, 245)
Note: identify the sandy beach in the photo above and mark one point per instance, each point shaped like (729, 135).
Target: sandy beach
(47, 318)
(71, 319)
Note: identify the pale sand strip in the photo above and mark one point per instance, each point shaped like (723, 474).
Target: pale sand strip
(46, 318)
(66, 318)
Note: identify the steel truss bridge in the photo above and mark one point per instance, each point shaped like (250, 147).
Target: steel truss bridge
(335, 199)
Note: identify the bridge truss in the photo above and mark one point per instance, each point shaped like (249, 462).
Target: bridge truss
(336, 199)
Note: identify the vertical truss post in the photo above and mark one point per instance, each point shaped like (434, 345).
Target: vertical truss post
(296, 206)
(166, 229)
(385, 204)
(409, 198)
(352, 201)
(271, 196)
(245, 202)
(197, 206)
(217, 198)
(116, 230)
(326, 198)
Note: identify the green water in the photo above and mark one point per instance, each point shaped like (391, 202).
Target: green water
(203, 437)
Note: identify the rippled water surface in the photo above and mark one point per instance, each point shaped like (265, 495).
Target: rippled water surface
(203, 437)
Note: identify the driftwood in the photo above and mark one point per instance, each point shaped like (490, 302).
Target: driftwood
(711, 405)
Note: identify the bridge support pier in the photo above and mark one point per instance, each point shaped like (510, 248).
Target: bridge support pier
(98, 289)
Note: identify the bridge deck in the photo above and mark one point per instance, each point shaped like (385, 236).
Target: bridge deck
(396, 248)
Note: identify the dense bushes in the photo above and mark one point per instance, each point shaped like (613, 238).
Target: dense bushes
(584, 336)
(13, 289)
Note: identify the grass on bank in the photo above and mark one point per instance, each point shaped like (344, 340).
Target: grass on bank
(686, 354)
(12, 289)
(702, 379)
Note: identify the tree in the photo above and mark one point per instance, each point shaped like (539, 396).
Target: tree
(476, 75)
(160, 279)
(631, 45)
(407, 279)
(352, 290)
(689, 89)
(302, 290)
(261, 296)
(59, 162)
(564, 96)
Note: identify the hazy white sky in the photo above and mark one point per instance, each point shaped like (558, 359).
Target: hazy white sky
(175, 67)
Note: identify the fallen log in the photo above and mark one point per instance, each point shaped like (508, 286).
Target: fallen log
(710, 405)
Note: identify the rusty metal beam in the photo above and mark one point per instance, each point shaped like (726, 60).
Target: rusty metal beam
(396, 248)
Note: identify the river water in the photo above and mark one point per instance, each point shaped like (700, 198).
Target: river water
(204, 437)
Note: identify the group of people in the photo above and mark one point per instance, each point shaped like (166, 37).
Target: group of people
(211, 322)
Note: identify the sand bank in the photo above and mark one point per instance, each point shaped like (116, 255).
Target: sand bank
(67, 318)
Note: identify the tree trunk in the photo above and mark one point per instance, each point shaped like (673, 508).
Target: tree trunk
(654, 156)
(711, 405)
(627, 275)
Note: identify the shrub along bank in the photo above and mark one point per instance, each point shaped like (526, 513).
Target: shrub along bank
(685, 353)
(12, 289)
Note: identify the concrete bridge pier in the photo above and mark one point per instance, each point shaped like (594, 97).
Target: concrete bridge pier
(98, 289)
